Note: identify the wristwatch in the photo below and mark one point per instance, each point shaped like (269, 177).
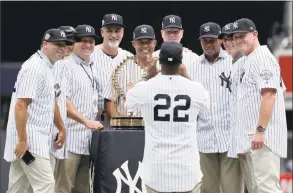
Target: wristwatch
(260, 129)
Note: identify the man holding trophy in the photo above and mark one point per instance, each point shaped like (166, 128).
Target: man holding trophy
(130, 71)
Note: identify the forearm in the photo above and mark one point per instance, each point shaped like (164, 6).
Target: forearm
(73, 113)
(266, 109)
(57, 119)
(21, 116)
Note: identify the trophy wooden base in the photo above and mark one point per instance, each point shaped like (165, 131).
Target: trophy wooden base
(127, 123)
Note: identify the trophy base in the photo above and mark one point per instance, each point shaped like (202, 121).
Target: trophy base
(127, 123)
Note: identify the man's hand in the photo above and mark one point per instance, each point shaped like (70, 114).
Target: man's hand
(183, 71)
(60, 141)
(20, 148)
(95, 125)
(257, 141)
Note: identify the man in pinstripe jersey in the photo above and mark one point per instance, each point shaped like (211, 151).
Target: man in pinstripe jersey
(220, 173)
(172, 30)
(107, 56)
(144, 43)
(72, 174)
(171, 105)
(32, 114)
(261, 130)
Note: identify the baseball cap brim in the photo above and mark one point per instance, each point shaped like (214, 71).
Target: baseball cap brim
(224, 34)
(94, 36)
(60, 40)
(241, 31)
(144, 37)
(209, 36)
(113, 23)
(172, 26)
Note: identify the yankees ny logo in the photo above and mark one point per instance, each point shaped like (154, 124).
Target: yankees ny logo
(171, 19)
(114, 17)
(88, 29)
(143, 30)
(62, 33)
(206, 28)
(128, 180)
(235, 25)
(242, 72)
(57, 90)
(227, 80)
(227, 27)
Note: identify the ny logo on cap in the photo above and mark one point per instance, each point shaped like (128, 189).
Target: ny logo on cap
(88, 29)
(171, 19)
(114, 17)
(235, 25)
(143, 30)
(47, 36)
(206, 28)
(62, 33)
(227, 27)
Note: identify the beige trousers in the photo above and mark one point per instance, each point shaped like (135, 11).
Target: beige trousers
(38, 175)
(72, 174)
(196, 189)
(221, 174)
(261, 169)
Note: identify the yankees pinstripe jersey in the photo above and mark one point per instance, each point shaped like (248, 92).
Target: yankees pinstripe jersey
(188, 56)
(81, 87)
(261, 70)
(213, 135)
(104, 65)
(60, 76)
(35, 81)
(170, 106)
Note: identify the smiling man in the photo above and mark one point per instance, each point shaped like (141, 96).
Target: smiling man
(144, 43)
(82, 108)
(107, 56)
(213, 70)
(31, 118)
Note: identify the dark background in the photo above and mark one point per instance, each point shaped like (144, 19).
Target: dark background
(24, 23)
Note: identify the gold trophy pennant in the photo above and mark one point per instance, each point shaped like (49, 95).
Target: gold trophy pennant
(124, 77)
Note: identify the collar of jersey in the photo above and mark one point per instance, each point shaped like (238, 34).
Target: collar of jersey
(44, 57)
(222, 54)
(80, 61)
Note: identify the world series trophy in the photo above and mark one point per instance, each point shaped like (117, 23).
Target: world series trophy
(124, 77)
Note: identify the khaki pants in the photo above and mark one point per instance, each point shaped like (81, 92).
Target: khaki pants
(261, 169)
(221, 174)
(72, 174)
(38, 175)
(196, 189)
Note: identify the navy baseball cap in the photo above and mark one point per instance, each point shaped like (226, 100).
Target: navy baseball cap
(209, 30)
(69, 31)
(55, 35)
(85, 30)
(172, 21)
(144, 32)
(243, 25)
(171, 52)
(226, 30)
(112, 19)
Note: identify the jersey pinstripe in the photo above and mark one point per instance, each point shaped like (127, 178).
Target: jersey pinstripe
(34, 80)
(104, 66)
(59, 72)
(188, 56)
(261, 70)
(214, 134)
(170, 106)
(81, 85)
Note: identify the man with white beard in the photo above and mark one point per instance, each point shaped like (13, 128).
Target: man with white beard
(107, 56)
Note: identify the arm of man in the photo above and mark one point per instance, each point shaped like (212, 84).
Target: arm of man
(21, 116)
(267, 78)
(60, 126)
(77, 116)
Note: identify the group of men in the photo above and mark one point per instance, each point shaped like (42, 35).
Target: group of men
(211, 121)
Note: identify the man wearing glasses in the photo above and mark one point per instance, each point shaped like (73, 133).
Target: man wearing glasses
(31, 118)
(261, 129)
